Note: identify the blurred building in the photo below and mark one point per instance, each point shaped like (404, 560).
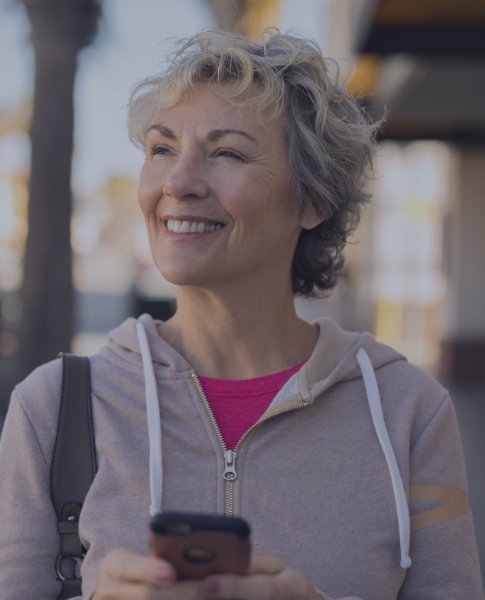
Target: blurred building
(425, 60)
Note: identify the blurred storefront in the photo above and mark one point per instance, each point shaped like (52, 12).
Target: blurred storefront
(409, 284)
(425, 61)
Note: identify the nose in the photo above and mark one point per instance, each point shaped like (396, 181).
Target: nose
(185, 179)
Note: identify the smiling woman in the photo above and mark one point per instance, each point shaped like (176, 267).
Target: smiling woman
(213, 165)
(344, 458)
(328, 140)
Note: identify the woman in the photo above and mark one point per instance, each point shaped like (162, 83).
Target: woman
(255, 157)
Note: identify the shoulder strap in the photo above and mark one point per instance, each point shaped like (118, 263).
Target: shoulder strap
(73, 468)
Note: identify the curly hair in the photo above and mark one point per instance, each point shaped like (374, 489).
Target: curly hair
(330, 139)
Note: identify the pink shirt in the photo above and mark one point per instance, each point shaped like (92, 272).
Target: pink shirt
(238, 403)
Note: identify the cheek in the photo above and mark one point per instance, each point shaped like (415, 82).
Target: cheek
(149, 190)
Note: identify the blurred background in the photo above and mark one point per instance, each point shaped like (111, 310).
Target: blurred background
(74, 259)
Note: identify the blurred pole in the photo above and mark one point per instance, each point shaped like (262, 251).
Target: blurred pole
(59, 29)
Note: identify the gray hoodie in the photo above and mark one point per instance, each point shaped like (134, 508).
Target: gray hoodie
(354, 474)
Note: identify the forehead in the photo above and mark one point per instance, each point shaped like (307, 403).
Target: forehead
(213, 105)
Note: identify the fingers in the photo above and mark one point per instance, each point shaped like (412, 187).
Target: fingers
(129, 576)
(269, 579)
(254, 587)
(135, 568)
(133, 591)
(125, 574)
(265, 565)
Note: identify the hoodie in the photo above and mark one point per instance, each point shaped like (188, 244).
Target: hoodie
(354, 474)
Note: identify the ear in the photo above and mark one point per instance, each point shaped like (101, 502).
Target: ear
(309, 219)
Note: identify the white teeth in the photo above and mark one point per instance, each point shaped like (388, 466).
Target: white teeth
(192, 226)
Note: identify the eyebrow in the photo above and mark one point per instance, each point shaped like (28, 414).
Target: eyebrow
(165, 131)
(213, 136)
(217, 134)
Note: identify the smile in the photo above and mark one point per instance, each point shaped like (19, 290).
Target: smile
(176, 226)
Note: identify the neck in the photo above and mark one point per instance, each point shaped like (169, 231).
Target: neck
(239, 336)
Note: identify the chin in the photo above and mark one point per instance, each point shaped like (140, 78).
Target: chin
(181, 277)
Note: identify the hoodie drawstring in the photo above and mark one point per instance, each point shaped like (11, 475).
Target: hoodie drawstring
(375, 406)
(154, 422)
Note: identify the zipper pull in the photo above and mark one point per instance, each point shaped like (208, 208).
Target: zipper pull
(230, 465)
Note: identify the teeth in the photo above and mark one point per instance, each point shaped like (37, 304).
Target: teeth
(192, 226)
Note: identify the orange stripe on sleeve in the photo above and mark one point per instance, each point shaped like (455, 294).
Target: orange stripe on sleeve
(452, 503)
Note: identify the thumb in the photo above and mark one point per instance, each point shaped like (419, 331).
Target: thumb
(265, 565)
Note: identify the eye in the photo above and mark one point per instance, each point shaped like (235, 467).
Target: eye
(159, 149)
(226, 153)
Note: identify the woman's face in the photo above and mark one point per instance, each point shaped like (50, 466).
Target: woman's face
(216, 196)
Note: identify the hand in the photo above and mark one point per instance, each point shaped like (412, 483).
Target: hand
(268, 579)
(126, 575)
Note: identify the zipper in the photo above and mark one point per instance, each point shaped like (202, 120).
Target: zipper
(230, 472)
(230, 475)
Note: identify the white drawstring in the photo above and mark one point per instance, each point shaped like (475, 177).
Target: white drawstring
(154, 424)
(374, 400)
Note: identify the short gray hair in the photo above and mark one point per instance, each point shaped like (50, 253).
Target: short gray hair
(330, 139)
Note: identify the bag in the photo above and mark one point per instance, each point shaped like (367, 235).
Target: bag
(73, 467)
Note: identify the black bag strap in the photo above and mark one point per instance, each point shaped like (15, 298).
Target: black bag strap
(73, 467)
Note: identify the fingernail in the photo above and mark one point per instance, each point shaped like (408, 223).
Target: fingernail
(211, 586)
(163, 573)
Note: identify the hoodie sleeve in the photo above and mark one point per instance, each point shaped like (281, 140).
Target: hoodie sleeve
(28, 524)
(443, 546)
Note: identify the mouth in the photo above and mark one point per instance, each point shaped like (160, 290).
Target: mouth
(192, 226)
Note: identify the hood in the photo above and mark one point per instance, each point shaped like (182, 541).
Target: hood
(332, 360)
(124, 341)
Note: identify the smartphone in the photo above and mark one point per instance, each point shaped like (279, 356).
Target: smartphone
(198, 544)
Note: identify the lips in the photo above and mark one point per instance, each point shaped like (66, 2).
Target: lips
(192, 226)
